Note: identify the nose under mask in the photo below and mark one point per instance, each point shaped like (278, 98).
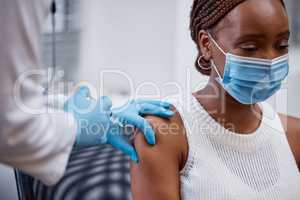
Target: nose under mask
(251, 80)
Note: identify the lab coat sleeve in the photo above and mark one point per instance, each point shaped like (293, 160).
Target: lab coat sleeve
(31, 139)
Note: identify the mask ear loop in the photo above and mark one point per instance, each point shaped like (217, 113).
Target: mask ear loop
(216, 69)
(212, 61)
(217, 45)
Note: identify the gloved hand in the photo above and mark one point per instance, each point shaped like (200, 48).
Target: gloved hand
(95, 126)
(92, 117)
(131, 114)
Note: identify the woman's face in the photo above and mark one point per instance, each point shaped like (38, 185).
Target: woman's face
(255, 28)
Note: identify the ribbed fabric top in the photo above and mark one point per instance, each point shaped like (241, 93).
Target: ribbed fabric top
(223, 165)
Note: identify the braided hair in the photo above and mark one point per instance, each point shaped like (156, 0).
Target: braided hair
(205, 15)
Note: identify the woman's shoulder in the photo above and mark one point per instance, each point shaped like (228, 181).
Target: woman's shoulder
(171, 142)
(156, 176)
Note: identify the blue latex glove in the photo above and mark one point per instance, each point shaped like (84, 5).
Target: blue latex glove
(96, 127)
(131, 114)
(92, 117)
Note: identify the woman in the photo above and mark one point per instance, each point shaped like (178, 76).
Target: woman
(235, 146)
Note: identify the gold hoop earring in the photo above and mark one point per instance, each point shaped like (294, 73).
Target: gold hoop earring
(201, 58)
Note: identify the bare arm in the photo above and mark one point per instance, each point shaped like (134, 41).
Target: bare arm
(292, 128)
(157, 174)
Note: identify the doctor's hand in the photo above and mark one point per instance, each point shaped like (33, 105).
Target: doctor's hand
(131, 114)
(92, 117)
(96, 127)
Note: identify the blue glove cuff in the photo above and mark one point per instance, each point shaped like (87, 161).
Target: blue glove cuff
(86, 139)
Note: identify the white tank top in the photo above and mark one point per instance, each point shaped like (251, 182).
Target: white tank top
(223, 165)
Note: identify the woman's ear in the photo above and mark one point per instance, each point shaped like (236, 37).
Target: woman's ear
(204, 45)
(203, 62)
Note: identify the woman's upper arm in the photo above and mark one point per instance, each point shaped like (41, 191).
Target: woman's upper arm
(292, 128)
(157, 174)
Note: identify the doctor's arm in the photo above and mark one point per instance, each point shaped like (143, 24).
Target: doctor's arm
(292, 128)
(31, 140)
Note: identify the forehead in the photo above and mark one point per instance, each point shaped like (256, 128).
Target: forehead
(256, 16)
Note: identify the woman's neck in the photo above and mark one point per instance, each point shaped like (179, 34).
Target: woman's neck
(227, 111)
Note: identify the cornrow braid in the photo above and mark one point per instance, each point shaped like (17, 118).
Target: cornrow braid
(204, 15)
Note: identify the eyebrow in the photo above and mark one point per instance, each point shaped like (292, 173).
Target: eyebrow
(249, 36)
(261, 36)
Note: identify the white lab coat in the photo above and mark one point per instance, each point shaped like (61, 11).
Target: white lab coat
(39, 145)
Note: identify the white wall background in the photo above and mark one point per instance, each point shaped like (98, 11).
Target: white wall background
(136, 37)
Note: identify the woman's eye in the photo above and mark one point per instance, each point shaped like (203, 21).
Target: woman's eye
(249, 48)
(284, 45)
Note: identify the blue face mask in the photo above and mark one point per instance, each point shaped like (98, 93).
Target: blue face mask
(252, 80)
